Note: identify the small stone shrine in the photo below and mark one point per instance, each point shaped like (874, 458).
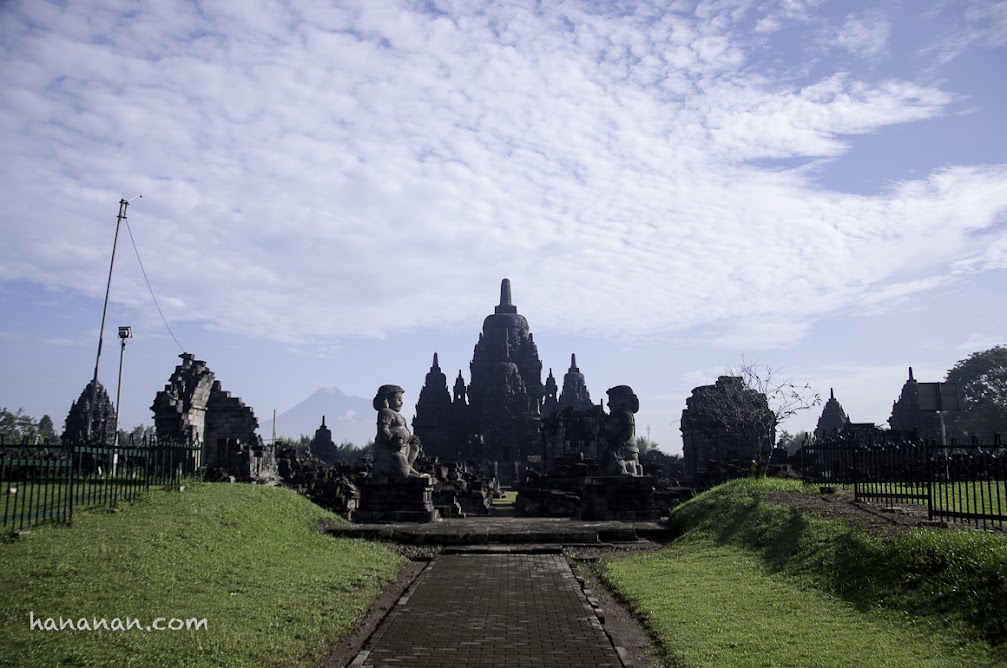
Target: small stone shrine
(833, 418)
(395, 491)
(907, 416)
(574, 394)
(322, 445)
(102, 419)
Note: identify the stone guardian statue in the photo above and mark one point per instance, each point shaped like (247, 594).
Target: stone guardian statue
(620, 454)
(395, 448)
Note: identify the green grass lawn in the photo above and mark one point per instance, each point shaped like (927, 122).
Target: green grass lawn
(757, 584)
(507, 498)
(248, 559)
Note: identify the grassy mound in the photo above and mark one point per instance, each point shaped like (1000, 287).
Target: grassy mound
(756, 583)
(248, 559)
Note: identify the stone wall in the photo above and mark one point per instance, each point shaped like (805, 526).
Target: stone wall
(180, 408)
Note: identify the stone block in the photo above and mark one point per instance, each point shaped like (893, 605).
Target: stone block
(396, 500)
(623, 498)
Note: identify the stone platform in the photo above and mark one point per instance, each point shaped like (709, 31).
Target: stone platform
(506, 531)
(393, 500)
(619, 498)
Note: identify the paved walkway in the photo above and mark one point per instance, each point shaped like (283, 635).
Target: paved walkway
(514, 610)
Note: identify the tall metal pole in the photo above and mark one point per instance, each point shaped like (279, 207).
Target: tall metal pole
(101, 332)
(118, 389)
(124, 334)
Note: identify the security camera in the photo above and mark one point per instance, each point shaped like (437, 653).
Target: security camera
(125, 332)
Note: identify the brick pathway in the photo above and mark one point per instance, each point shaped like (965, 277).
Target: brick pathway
(514, 610)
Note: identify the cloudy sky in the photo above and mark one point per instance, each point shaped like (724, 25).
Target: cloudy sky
(332, 191)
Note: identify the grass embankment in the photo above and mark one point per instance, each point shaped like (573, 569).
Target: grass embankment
(752, 583)
(248, 559)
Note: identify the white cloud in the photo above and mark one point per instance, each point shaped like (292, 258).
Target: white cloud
(980, 24)
(349, 415)
(864, 35)
(368, 169)
(980, 341)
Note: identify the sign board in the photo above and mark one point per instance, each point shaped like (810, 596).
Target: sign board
(939, 396)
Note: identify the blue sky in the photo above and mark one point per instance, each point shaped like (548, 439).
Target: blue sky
(332, 194)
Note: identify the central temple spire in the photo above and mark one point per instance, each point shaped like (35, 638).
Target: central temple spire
(505, 299)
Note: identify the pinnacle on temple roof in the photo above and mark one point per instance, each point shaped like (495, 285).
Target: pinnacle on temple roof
(573, 363)
(505, 306)
(435, 364)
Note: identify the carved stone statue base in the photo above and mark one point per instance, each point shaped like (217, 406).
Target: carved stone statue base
(387, 500)
(624, 498)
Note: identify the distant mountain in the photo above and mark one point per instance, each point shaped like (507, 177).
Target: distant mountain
(349, 418)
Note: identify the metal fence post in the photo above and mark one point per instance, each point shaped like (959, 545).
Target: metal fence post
(71, 475)
(930, 480)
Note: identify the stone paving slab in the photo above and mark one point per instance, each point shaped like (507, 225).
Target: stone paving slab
(514, 610)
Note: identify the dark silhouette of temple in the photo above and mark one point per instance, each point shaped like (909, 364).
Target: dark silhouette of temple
(833, 419)
(496, 416)
(574, 394)
(102, 418)
(907, 416)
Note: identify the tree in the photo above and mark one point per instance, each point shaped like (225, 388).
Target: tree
(347, 451)
(9, 430)
(140, 435)
(792, 442)
(47, 431)
(646, 444)
(19, 427)
(982, 391)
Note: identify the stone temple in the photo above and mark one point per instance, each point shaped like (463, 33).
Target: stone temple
(907, 415)
(494, 418)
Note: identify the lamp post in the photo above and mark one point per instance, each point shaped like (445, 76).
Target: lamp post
(123, 203)
(125, 332)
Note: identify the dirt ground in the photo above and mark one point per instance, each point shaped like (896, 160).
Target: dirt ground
(877, 520)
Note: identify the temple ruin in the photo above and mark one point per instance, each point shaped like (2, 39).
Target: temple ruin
(193, 408)
(717, 428)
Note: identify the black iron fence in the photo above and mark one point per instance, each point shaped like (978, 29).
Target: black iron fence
(958, 483)
(47, 483)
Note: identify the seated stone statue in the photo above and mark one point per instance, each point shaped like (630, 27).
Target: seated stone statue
(620, 454)
(395, 448)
